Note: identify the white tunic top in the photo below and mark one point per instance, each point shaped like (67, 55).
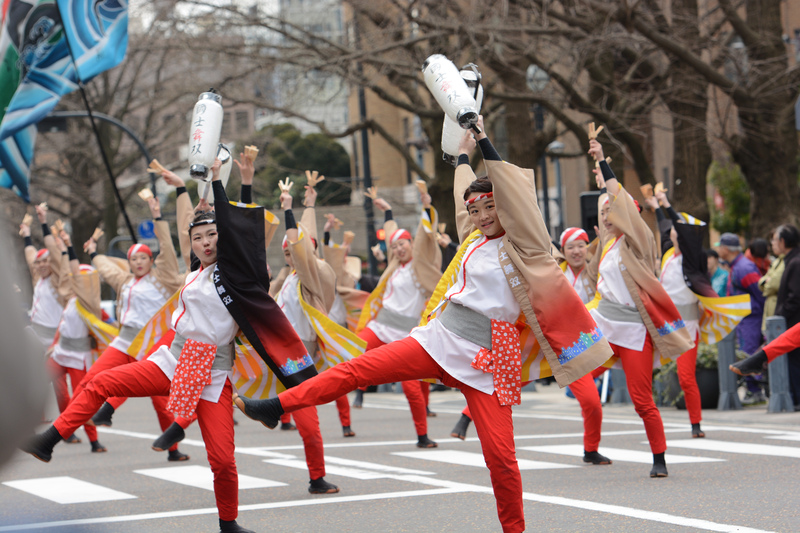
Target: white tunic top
(338, 312)
(675, 285)
(289, 301)
(577, 283)
(72, 326)
(46, 311)
(403, 297)
(200, 316)
(481, 286)
(140, 300)
(611, 286)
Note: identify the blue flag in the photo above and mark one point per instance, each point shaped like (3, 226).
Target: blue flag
(37, 68)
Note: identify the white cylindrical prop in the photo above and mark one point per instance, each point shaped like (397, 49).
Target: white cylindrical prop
(451, 131)
(450, 91)
(204, 134)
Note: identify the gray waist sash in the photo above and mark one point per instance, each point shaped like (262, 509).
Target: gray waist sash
(689, 311)
(83, 344)
(44, 331)
(396, 320)
(619, 312)
(223, 360)
(467, 324)
(128, 333)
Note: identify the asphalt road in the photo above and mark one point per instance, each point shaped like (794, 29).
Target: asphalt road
(742, 477)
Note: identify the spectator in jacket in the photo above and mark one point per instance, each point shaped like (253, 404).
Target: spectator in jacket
(788, 304)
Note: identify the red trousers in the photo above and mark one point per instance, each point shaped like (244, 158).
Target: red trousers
(588, 398)
(415, 391)
(785, 342)
(147, 379)
(112, 358)
(406, 360)
(687, 365)
(638, 367)
(59, 375)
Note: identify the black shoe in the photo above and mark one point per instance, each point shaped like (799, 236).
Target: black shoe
(659, 466)
(320, 486)
(697, 433)
(359, 401)
(347, 432)
(287, 426)
(41, 445)
(175, 456)
(172, 436)
(230, 526)
(268, 412)
(97, 447)
(103, 416)
(428, 412)
(751, 365)
(460, 429)
(595, 458)
(424, 442)
(73, 439)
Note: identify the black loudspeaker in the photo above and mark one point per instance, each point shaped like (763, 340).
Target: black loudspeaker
(589, 214)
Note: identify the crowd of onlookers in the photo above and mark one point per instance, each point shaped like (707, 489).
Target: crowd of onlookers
(770, 273)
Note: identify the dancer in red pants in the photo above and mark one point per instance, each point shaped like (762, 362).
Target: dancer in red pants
(634, 311)
(227, 294)
(574, 247)
(785, 342)
(395, 306)
(472, 343)
(71, 354)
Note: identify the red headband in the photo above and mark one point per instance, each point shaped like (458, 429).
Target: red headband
(86, 269)
(399, 234)
(479, 197)
(136, 248)
(42, 253)
(571, 235)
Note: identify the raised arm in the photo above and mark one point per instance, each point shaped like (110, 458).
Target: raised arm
(111, 272)
(166, 268)
(462, 179)
(427, 252)
(184, 214)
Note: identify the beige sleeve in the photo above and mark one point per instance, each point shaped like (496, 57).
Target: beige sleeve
(334, 256)
(625, 216)
(462, 179)
(87, 289)
(55, 264)
(309, 223)
(111, 273)
(185, 215)
(389, 227)
(427, 254)
(308, 268)
(64, 288)
(517, 206)
(166, 268)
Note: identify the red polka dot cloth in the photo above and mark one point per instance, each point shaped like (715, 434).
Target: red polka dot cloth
(192, 374)
(504, 361)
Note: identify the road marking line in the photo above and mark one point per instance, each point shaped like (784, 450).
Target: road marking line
(737, 447)
(375, 466)
(619, 454)
(456, 457)
(201, 477)
(213, 510)
(67, 490)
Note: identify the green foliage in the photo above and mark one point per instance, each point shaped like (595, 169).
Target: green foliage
(728, 179)
(285, 152)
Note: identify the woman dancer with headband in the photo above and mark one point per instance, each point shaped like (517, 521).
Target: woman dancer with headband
(574, 247)
(634, 313)
(466, 345)
(226, 294)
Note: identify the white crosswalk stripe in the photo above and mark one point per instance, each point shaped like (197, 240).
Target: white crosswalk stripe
(712, 445)
(201, 477)
(474, 459)
(68, 490)
(619, 454)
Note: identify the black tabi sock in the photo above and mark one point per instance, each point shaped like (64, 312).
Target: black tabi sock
(658, 459)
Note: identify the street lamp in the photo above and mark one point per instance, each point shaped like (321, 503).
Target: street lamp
(554, 149)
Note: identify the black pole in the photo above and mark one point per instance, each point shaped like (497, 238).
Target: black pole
(97, 136)
(372, 239)
(111, 120)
